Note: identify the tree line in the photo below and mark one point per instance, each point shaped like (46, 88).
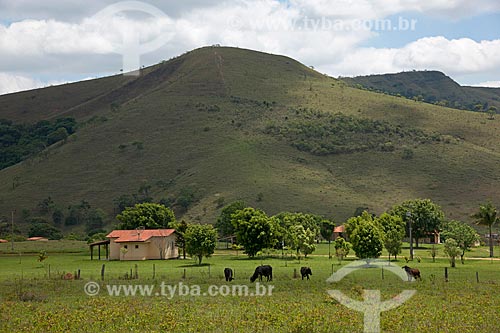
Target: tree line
(20, 141)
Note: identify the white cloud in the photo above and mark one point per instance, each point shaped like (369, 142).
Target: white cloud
(454, 57)
(376, 9)
(13, 83)
(489, 84)
(58, 48)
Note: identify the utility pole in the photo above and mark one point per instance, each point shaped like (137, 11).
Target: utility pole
(12, 231)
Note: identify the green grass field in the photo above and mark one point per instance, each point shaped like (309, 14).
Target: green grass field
(31, 301)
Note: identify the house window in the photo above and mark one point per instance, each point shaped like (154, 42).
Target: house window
(125, 246)
(137, 246)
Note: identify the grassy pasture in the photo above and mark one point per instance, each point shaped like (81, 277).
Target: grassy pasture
(31, 301)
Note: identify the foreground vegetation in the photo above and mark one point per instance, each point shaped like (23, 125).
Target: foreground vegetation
(33, 302)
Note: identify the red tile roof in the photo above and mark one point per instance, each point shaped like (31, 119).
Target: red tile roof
(339, 229)
(38, 239)
(3, 241)
(122, 236)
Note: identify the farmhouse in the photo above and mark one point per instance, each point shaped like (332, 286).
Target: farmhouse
(142, 244)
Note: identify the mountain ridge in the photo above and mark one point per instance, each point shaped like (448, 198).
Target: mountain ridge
(429, 86)
(197, 125)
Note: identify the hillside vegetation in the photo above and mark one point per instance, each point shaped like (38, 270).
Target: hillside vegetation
(432, 87)
(220, 124)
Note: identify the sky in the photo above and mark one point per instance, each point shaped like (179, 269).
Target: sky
(53, 42)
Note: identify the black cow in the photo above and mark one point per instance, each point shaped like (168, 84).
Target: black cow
(412, 273)
(264, 270)
(228, 273)
(305, 272)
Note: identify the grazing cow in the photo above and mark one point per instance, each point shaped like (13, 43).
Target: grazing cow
(305, 272)
(228, 273)
(412, 273)
(264, 270)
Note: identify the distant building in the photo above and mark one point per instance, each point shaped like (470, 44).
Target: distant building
(338, 232)
(142, 244)
(38, 239)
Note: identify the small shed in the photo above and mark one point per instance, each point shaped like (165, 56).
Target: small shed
(104, 243)
(142, 244)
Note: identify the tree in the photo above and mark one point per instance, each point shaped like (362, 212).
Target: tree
(327, 233)
(180, 232)
(393, 227)
(463, 234)
(342, 248)
(41, 228)
(148, 215)
(367, 240)
(94, 221)
(60, 134)
(303, 240)
(425, 217)
(492, 111)
(200, 240)
(355, 221)
(254, 230)
(223, 224)
(452, 250)
(487, 215)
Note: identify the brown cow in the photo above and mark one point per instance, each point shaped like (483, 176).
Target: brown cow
(412, 273)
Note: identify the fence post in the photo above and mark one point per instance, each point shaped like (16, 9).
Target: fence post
(154, 271)
(136, 272)
(102, 271)
(382, 273)
(184, 274)
(208, 270)
(477, 277)
(446, 274)
(332, 268)
(78, 275)
(49, 271)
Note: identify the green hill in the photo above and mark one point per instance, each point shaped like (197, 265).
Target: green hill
(430, 86)
(220, 124)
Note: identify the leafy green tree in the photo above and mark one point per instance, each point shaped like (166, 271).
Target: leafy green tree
(180, 231)
(463, 234)
(94, 220)
(353, 222)
(393, 227)
(41, 228)
(302, 240)
(186, 197)
(327, 233)
(487, 215)
(492, 111)
(425, 216)
(254, 230)
(452, 250)
(60, 134)
(58, 216)
(342, 248)
(224, 225)
(148, 215)
(201, 240)
(367, 240)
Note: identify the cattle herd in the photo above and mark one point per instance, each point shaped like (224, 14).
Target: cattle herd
(264, 271)
(267, 272)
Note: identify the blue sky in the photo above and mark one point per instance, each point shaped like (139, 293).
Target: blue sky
(51, 42)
